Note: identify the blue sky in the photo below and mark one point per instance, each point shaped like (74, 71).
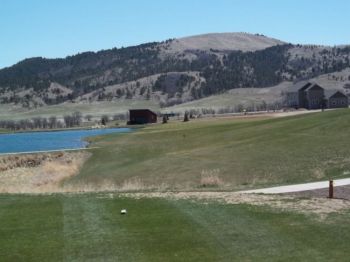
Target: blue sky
(57, 28)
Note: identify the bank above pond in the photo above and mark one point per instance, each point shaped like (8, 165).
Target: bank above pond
(50, 141)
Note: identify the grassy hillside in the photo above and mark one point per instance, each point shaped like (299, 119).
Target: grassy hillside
(238, 153)
(246, 97)
(96, 109)
(90, 227)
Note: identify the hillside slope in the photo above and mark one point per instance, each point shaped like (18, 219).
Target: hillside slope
(170, 72)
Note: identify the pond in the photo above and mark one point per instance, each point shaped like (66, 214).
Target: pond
(51, 140)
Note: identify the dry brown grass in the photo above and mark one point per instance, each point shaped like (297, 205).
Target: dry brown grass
(129, 185)
(26, 160)
(133, 184)
(39, 173)
(211, 178)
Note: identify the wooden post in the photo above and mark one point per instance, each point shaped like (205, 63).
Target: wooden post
(330, 189)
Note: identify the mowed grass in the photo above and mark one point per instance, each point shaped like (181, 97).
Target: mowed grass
(241, 152)
(91, 228)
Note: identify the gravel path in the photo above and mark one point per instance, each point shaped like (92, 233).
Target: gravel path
(299, 187)
(341, 192)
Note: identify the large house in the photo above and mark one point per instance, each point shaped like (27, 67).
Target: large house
(142, 116)
(313, 96)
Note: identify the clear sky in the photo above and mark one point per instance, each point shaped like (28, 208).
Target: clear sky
(57, 28)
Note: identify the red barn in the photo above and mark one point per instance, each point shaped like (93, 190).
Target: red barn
(142, 116)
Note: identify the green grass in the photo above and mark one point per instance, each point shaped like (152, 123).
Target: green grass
(245, 153)
(90, 228)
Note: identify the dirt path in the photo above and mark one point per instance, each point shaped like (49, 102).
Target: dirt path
(298, 188)
(313, 205)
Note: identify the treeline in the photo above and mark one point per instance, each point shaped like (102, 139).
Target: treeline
(51, 122)
(70, 120)
(34, 123)
(261, 107)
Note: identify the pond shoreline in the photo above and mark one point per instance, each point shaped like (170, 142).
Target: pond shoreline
(47, 151)
(6, 132)
(52, 141)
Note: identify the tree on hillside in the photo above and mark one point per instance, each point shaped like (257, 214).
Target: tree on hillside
(52, 122)
(77, 117)
(104, 119)
(88, 117)
(186, 119)
(68, 121)
(165, 119)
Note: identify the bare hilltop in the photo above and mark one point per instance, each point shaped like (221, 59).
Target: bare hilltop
(224, 41)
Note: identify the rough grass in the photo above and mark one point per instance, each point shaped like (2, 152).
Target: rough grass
(90, 228)
(245, 152)
(38, 173)
(8, 162)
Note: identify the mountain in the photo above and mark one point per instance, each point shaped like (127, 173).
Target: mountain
(170, 72)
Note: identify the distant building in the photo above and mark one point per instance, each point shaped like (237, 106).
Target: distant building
(312, 96)
(142, 116)
(336, 99)
(296, 97)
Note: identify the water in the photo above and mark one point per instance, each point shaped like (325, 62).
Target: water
(48, 141)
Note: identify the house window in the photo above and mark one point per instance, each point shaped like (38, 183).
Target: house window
(334, 102)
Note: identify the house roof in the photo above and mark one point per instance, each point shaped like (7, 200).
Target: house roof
(312, 85)
(329, 93)
(298, 86)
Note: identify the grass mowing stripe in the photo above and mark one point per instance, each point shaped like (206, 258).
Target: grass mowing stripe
(91, 230)
(260, 234)
(162, 230)
(30, 228)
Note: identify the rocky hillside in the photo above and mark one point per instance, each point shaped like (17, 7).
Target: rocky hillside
(170, 72)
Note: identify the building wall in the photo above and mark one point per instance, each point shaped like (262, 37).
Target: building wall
(315, 96)
(293, 99)
(338, 102)
(142, 117)
(303, 101)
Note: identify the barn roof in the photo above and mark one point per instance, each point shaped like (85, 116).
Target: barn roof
(141, 110)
